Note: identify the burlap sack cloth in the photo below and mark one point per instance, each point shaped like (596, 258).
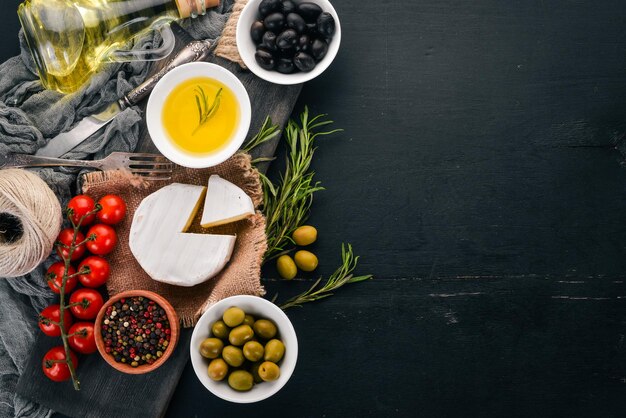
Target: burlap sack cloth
(242, 275)
(227, 44)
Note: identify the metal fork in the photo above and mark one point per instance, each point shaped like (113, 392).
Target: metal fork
(148, 166)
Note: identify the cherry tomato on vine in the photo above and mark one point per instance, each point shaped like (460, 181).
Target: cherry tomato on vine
(102, 239)
(50, 317)
(54, 275)
(65, 238)
(98, 271)
(80, 206)
(113, 209)
(83, 341)
(54, 366)
(88, 303)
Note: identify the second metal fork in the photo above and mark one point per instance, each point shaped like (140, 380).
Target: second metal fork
(148, 166)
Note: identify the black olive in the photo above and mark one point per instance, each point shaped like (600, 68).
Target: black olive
(319, 48)
(256, 31)
(311, 29)
(268, 6)
(269, 41)
(274, 22)
(304, 62)
(309, 11)
(285, 66)
(287, 39)
(265, 59)
(325, 25)
(304, 43)
(288, 7)
(295, 21)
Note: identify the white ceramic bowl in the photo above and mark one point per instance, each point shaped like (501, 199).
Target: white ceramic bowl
(247, 48)
(260, 308)
(155, 108)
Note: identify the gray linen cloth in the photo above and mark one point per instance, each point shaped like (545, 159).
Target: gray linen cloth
(29, 117)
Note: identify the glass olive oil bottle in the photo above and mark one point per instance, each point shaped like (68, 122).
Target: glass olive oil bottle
(71, 39)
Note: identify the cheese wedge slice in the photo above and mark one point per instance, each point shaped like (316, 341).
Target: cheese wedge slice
(225, 203)
(162, 249)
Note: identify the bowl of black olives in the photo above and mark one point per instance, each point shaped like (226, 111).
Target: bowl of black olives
(288, 41)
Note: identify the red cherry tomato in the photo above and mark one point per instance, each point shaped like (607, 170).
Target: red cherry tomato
(50, 317)
(55, 278)
(113, 209)
(65, 239)
(54, 366)
(98, 271)
(80, 206)
(102, 239)
(88, 302)
(83, 340)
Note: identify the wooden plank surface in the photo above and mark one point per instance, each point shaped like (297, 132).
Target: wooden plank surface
(106, 392)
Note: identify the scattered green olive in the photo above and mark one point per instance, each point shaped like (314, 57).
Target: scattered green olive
(241, 380)
(211, 347)
(286, 267)
(269, 371)
(220, 329)
(305, 235)
(306, 260)
(218, 369)
(233, 356)
(249, 320)
(233, 316)
(253, 350)
(240, 335)
(265, 328)
(274, 351)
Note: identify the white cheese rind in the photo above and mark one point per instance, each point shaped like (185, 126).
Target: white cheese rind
(187, 259)
(163, 251)
(225, 203)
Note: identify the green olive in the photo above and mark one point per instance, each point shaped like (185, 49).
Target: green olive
(306, 260)
(253, 350)
(286, 267)
(305, 235)
(211, 347)
(269, 371)
(241, 380)
(274, 351)
(220, 329)
(218, 369)
(233, 355)
(265, 328)
(233, 316)
(255, 372)
(249, 320)
(240, 334)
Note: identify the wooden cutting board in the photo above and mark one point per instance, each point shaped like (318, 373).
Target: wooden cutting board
(106, 392)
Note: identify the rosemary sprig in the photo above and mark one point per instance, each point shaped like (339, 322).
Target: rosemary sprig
(287, 203)
(267, 132)
(342, 276)
(206, 112)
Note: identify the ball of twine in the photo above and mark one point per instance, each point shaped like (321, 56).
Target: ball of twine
(31, 220)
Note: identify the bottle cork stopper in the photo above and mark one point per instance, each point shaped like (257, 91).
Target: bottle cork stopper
(188, 8)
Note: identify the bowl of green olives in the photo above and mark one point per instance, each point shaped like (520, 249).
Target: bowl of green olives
(244, 349)
(288, 41)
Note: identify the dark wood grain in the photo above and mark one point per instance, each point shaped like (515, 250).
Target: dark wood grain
(106, 392)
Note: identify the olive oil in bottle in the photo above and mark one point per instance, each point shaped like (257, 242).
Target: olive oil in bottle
(71, 39)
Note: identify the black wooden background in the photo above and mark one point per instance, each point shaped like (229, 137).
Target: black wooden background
(478, 178)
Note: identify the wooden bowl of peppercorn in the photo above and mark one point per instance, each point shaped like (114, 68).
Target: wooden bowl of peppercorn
(136, 331)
